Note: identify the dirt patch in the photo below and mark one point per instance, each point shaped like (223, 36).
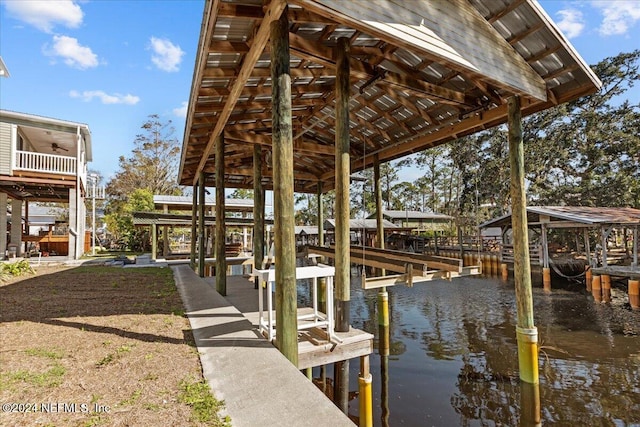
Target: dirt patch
(96, 346)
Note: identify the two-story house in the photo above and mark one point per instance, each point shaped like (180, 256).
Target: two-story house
(42, 160)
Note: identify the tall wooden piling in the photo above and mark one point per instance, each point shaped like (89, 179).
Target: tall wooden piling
(377, 188)
(634, 293)
(201, 206)
(282, 140)
(527, 333)
(342, 259)
(383, 296)
(194, 225)
(322, 282)
(221, 261)
(258, 211)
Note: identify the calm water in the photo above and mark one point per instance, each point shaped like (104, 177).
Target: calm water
(453, 356)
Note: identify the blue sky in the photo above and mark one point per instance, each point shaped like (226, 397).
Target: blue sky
(110, 64)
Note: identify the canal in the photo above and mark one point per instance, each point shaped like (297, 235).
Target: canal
(452, 356)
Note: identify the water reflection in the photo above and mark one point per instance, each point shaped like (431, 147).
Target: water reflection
(450, 357)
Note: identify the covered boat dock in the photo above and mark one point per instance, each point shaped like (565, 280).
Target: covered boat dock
(296, 95)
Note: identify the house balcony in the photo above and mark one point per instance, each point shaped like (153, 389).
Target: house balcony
(45, 163)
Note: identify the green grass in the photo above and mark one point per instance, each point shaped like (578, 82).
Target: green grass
(51, 378)
(204, 406)
(135, 396)
(47, 353)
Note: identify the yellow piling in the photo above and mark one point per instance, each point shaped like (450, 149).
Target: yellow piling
(606, 288)
(365, 397)
(494, 265)
(588, 277)
(634, 293)
(486, 265)
(546, 279)
(383, 308)
(528, 354)
(505, 271)
(596, 291)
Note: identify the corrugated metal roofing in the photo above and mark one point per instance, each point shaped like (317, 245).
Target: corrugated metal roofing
(356, 224)
(185, 202)
(422, 74)
(416, 215)
(575, 214)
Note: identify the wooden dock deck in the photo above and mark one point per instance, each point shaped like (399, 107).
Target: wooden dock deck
(314, 348)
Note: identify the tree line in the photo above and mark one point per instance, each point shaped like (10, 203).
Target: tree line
(582, 153)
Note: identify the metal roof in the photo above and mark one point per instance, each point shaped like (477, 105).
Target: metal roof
(186, 203)
(573, 216)
(150, 218)
(396, 214)
(422, 74)
(358, 224)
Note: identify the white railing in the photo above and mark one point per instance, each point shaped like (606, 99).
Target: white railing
(39, 162)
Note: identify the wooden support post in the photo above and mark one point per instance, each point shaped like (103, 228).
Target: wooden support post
(546, 279)
(635, 247)
(634, 293)
(342, 279)
(588, 277)
(201, 205)
(546, 272)
(526, 332)
(587, 246)
(605, 235)
(221, 261)
(285, 245)
(596, 289)
(258, 211)
(322, 282)
(379, 216)
(606, 288)
(365, 396)
(165, 241)
(154, 241)
(341, 385)
(342, 241)
(504, 269)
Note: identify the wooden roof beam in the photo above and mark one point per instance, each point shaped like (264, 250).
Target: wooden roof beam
(275, 9)
(265, 140)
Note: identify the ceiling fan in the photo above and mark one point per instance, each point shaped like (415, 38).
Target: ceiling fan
(55, 147)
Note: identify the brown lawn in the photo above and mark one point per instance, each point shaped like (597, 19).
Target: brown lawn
(93, 346)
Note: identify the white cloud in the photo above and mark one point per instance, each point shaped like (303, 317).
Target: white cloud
(617, 16)
(166, 56)
(104, 97)
(45, 14)
(73, 54)
(571, 22)
(182, 110)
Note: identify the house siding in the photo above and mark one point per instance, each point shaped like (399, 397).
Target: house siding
(5, 148)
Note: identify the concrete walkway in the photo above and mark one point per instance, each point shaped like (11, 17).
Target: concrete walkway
(259, 385)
